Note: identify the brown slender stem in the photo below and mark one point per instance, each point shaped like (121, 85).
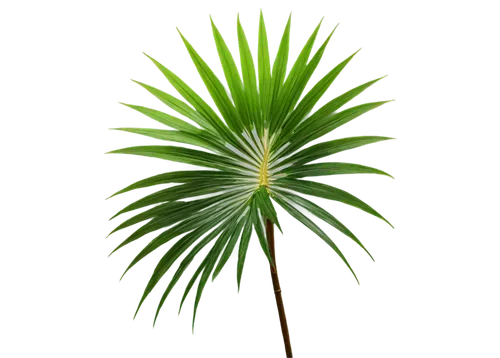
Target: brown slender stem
(277, 289)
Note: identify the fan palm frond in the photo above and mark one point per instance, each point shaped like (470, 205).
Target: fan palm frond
(255, 154)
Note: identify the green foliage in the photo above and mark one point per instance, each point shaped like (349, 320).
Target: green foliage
(254, 153)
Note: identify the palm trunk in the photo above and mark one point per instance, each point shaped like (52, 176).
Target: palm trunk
(277, 289)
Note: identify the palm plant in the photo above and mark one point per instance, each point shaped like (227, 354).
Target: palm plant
(255, 155)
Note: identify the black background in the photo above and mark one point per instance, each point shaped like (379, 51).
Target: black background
(328, 311)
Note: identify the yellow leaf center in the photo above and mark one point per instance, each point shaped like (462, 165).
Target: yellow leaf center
(263, 173)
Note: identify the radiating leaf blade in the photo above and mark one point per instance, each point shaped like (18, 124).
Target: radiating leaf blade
(222, 254)
(327, 192)
(279, 69)
(177, 177)
(285, 97)
(194, 99)
(180, 154)
(321, 169)
(183, 191)
(266, 206)
(314, 228)
(174, 103)
(215, 88)
(185, 263)
(264, 71)
(323, 215)
(310, 131)
(259, 225)
(227, 61)
(242, 251)
(312, 97)
(165, 119)
(213, 215)
(339, 101)
(173, 136)
(325, 149)
(249, 77)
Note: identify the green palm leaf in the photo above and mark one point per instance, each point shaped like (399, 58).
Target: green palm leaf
(311, 225)
(173, 136)
(155, 217)
(169, 259)
(203, 109)
(322, 214)
(251, 95)
(182, 155)
(264, 72)
(216, 90)
(174, 103)
(307, 104)
(230, 76)
(179, 177)
(327, 192)
(317, 126)
(302, 70)
(187, 190)
(256, 153)
(166, 119)
(279, 70)
(325, 149)
(320, 169)
(219, 259)
(288, 94)
(242, 251)
(187, 260)
(210, 216)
